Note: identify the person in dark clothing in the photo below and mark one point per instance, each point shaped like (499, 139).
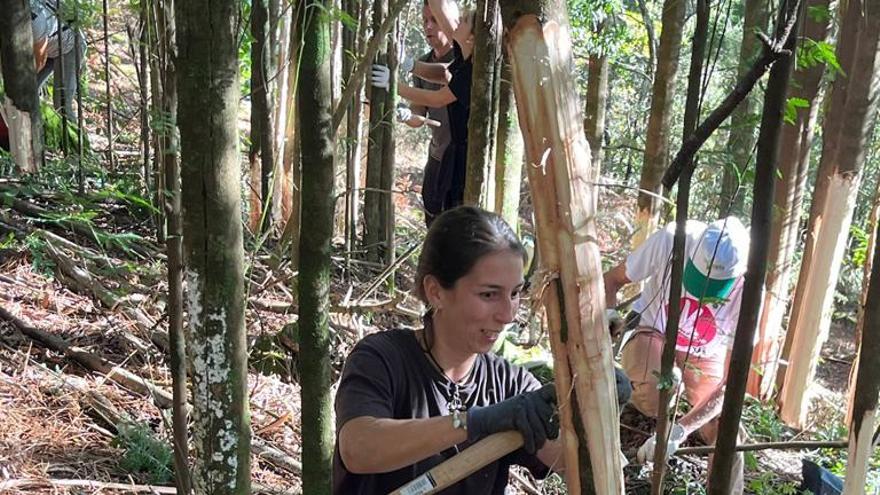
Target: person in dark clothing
(408, 400)
(444, 182)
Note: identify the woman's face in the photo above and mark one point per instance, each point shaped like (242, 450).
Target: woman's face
(465, 28)
(470, 315)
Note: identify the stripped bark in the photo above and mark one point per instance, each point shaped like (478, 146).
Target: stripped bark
(848, 126)
(791, 180)
(563, 194)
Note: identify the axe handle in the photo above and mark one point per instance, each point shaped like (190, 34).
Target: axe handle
(466, 463)
(429, 122)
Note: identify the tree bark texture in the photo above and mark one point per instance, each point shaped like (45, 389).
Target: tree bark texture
(174, 246)
(762, 192)
(291, 167)
(509, 152)
(559, 174)
(262, 150)
(867, 387)
(381, 114)
(796, 141)
(21, 107)
(207, 71)
(482, 139)
(659, 125)
(741, 140)
(318, 147)
(849, 124)
(594, 106)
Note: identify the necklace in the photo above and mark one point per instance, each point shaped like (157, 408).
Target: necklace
(454, 403)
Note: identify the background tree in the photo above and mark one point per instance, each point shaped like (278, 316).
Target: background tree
(261, 154)
(318, 159)
(509, 151)
(208, 115)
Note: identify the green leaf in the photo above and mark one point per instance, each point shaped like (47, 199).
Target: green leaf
(791, 107)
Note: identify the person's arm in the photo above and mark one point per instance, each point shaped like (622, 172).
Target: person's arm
(433, 98)
(446, 14)
(405, 441)
(432, 72)
(701, 414)
(614, 279)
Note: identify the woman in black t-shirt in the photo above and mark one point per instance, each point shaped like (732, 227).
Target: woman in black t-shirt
(408, 400)
(443, 186)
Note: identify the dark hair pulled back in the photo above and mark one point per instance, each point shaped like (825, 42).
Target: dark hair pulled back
(457, 239)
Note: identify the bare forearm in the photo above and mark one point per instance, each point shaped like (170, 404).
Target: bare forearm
(432, 72)
(405, 441)
(702, 413)
(426, 97)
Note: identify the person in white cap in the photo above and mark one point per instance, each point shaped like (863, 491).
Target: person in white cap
(715, 263)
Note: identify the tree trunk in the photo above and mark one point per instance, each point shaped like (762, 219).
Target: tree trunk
(318, 146)
(867, 386)
(741, 140)
(594, 106)
(848, 127)
(143, 74)
(174, 244)
(762, 192)
(292, 171)
(659, 125)
(209, 93)
(559, 173)
(665, 412)
(21, 107)
(262, 149)
(353, 125)
(380, 124)
(797, 141)
(479, 186)
(389, 153)
(509, 152)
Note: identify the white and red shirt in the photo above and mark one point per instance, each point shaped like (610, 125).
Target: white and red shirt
(707, 328)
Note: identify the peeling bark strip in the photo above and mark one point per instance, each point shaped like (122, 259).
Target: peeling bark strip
(209, 92)
(559, 174)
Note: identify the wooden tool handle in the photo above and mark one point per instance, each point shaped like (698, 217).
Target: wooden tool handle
(466, 463)
(429, 122)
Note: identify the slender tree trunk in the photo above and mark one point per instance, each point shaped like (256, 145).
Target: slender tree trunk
(665, 412)
(111, 158)
(596, 101)
(540, 52)
(143, 74)
(207, 71)
(389, 152)
(742, 123)
(291, 158)
(380, 123)
(315, 113)
(652, 38)
(765, 168)
(161, 127)
(867, 386)
(20, 108)
(796, 141)
(509, 152)
(659, 125)
(848, 127)
(174, 245)
(479, 186)
(262, 149)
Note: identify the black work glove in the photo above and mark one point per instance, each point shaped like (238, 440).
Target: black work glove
(530, 413)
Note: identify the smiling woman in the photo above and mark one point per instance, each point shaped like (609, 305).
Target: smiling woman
(424, 395)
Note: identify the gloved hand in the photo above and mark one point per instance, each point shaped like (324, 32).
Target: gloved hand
(530, 413)
(403, 114)
(676, 437)
(615, 322)
(381, 76)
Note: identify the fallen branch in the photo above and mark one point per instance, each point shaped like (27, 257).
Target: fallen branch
(34, 483)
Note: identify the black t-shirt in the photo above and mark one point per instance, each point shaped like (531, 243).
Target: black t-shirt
(462, 71)
(388, 375)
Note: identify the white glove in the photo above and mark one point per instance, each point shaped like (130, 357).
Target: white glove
(676, 437)
(380, 77)
(403, 114)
